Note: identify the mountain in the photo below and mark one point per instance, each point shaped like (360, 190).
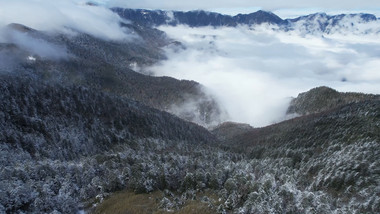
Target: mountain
(197, 18)
(77, 117)
(55, 138)
(64, 148)
(332, 154)
(322, 99)
(317, 23)
(107, 66)
(361, 23)
(77, 121)
(258, 17)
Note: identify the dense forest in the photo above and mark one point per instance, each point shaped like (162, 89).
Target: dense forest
(62, 146)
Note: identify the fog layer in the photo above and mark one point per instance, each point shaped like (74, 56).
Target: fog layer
(253, 72)
(67, 16)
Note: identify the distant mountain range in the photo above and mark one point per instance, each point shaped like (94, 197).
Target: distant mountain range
(318, 22)
(195, 18)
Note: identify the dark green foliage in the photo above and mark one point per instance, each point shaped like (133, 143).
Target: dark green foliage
(113, 66)
(323, 98)
(68, 122)
(329, 160)
(321, 163)
(63, 144)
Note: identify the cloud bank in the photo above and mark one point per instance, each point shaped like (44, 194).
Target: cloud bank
(254, 72)
(63, 16)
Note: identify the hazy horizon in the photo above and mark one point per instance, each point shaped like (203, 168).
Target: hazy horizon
(288, 9)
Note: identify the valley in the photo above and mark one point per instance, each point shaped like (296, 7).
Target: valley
(147, 122)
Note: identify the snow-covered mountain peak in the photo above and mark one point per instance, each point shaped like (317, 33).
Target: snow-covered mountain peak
(321, 23)
(315, 24)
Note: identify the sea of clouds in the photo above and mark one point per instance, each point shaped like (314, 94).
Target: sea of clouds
(254, 71)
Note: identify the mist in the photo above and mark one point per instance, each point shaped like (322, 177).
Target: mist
(33, 46)
(69, 17)
(254, 72)
(64, 16)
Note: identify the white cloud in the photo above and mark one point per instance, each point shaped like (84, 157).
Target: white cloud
(63, 16)
(33, 45)
(254, 72)
(286, 13)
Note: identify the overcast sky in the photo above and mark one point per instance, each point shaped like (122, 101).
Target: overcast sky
(288, 7)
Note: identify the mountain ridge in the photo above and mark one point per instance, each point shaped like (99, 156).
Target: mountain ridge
(312, 23)
(107, 66)
(195, 18)
(323, 98)
(55, 141)
(324, 147)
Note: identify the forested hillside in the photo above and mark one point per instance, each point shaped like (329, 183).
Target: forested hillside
(108, 66)
(52, 134)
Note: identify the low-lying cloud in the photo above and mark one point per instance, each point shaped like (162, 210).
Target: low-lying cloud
(67, 16)
(34, 46)
(254, 72)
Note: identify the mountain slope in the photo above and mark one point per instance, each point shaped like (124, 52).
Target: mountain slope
(55, 141)
(61, 145)
(323, 98)
(332, 155)
(107, 66)
(76, 116)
